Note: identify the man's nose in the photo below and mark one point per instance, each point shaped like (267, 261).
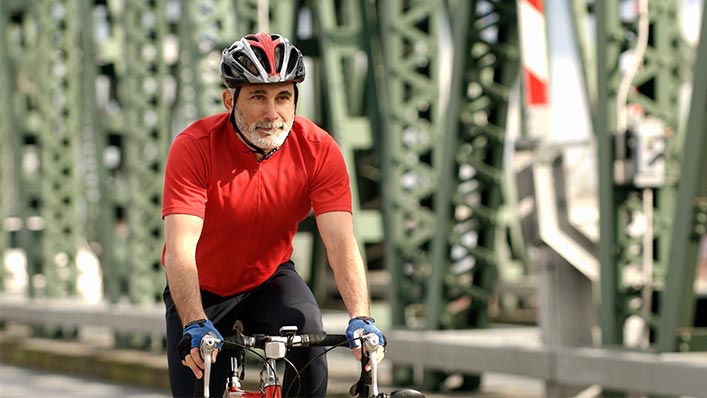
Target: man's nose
(271, 111)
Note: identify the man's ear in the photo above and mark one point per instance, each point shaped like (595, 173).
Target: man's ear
(227, 98)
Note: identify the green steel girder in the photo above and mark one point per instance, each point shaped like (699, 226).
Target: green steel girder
(342, 40)
(90, 135)
(109, 121)
(690, 217)
(8, 136)
(586, 49)
(60, 105)
(206, 27)
(281, 17)
(470, 194)
(146, 131)
(621, 202)
(410, 32)
(22, 43)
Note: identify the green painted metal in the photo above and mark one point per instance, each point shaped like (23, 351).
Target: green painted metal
(281, 16)
(341, 39)
(470, 195)
(586, 49)
(206, 28)
(690, 339)
(690, 217)
(607, 54)
(7, 136)
(146, 131)
(22, 35)
(89, 133)
(110, 239)
(60, 104)
(411, 59)
(622, 201)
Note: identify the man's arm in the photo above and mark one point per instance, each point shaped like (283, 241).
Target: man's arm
(182, 232)
(336, 230)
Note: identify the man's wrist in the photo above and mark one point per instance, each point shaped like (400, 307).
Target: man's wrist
(194, 322)
(364, 318)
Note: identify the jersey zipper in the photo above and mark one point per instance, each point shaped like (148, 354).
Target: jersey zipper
(258, 199)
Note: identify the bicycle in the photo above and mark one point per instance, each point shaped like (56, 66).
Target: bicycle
(275, 348)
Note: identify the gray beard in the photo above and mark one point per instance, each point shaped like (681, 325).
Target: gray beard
(269, 142)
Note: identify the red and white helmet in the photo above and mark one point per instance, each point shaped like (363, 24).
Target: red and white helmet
(261, 58)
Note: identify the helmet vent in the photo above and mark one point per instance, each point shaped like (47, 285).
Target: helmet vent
(253, 38)
(275, 37)
(293, 61)
(279, 56)
(262, 58)
(243, 60)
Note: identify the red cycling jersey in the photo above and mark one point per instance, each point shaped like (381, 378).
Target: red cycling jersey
(250, 209)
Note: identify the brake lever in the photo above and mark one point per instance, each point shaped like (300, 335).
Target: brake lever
(206, 349)
(370, 345)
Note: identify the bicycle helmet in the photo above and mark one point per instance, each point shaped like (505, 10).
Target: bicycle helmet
(261, 58)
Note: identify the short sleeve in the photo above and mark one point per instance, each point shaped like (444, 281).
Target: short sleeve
(186, 178)
(329, 189)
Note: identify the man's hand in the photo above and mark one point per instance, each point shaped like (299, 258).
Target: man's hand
(360, 326)
(189, 345)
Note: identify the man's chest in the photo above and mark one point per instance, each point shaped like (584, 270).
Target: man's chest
(272, 192)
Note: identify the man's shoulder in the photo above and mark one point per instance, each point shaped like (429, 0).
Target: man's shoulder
(309, 131)
(205, 127)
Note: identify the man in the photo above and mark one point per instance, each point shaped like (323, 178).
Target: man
(236, 186)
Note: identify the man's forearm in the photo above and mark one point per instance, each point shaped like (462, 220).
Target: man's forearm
(183, 280)
(350, 277)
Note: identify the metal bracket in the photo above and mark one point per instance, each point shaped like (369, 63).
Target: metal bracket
(699, 228)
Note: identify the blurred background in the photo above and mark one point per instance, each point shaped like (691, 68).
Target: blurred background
(529, 178)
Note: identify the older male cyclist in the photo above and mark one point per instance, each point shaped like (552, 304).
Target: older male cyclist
(236, 186)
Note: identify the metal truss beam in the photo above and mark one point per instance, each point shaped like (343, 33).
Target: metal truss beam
(690, 219)
(22, 35)
(206, 27)
(470, 198)
(411, 58)
(626, 201)
(279, 16)
(8, 135)
(60, 106)
(342, 40)
(146, 130)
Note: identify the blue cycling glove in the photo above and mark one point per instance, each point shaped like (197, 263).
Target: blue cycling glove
(194, 331)
(367, 325)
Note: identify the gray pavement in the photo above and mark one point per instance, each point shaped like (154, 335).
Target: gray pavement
(18, 382)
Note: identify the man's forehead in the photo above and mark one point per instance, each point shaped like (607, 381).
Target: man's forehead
(269, 88)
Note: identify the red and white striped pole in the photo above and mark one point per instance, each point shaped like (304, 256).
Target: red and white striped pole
(534, 58)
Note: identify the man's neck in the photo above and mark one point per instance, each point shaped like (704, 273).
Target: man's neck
(258, 156)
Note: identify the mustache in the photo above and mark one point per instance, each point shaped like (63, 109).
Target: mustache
(280, 126)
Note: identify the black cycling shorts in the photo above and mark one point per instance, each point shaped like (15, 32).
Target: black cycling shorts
(283, 300)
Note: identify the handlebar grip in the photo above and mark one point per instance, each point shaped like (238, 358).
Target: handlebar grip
(323, 340)
(236, 343)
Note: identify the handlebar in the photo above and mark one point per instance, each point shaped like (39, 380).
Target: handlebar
(276, 347)
(240, 341)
